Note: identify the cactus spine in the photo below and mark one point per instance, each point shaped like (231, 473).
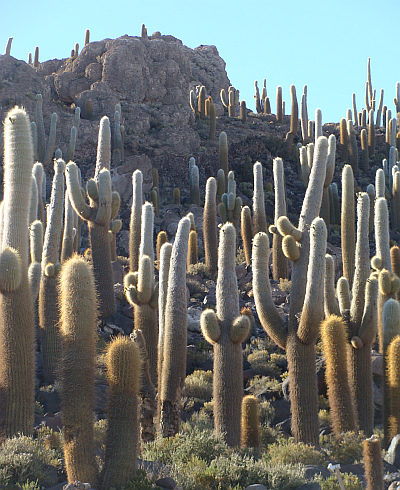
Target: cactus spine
(123, 372)
(175, 335)
(300, 332)
(16, 308)
(78, 329)
(226, 330)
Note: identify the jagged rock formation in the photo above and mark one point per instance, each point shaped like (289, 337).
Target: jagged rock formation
(150, 78)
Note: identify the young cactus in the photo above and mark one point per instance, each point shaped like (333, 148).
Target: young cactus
(226, 330)
(373, 464)
(230, 207)
(251, 427)
(122, 439)
(333, 332)
(78, 330)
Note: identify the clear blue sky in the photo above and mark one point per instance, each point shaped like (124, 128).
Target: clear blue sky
(322, 44)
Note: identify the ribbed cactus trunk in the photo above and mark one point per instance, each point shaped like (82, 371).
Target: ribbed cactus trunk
(175, 335)
(228, 332)
(49, 316)
(78, 328)
(16, 309)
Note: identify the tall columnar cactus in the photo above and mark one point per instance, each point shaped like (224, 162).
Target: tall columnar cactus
(210, 227)
(382, 255)
(230, 206)
(142, 292)
(344, 140)
(194, 183)
(393, 378)
(279, 261)
(98, 213)
(48, 294)
(318, 124)
(175, 335)
(371, 133)
(40, 126)
(330, 170)
(135, 224)
(68, 234)
(294, 117)
(35, 267)
(353, 151)
(213, 120)
(299, 332)
(226, 330)
(48, 156)
(361, 317)
(123, 372)
(165, 258)
(246, 230)
(251, 427)
(333, 333)
(223, 155)
(259, 216)
(373, 463)
(379, 111)
(38, 173)
(16, 308)
(192, 249)
(391, 329)
(348, 220)
(78, 330)
(304, 115)
(279, 104)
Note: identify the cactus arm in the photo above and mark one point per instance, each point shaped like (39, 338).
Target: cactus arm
(115, 204)
(146, 242)
(369, 323)
(51, 244)
(362, 266)
(74, 189)
(270, 319)
(210, 226)
(330, 302)
(10, 270)
(210, 326)
(240, 329)
(103, 215)
(313, 309)
(343, 294)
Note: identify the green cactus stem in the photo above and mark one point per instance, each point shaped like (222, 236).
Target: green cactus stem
(210, 227)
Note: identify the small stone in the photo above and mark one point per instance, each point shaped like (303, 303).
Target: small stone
(167, 482)
(393, 454)
(256, 486)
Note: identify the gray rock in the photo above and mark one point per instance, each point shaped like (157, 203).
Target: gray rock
(311, 470)
(393, 454)
(166, 482)
(193, 321)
